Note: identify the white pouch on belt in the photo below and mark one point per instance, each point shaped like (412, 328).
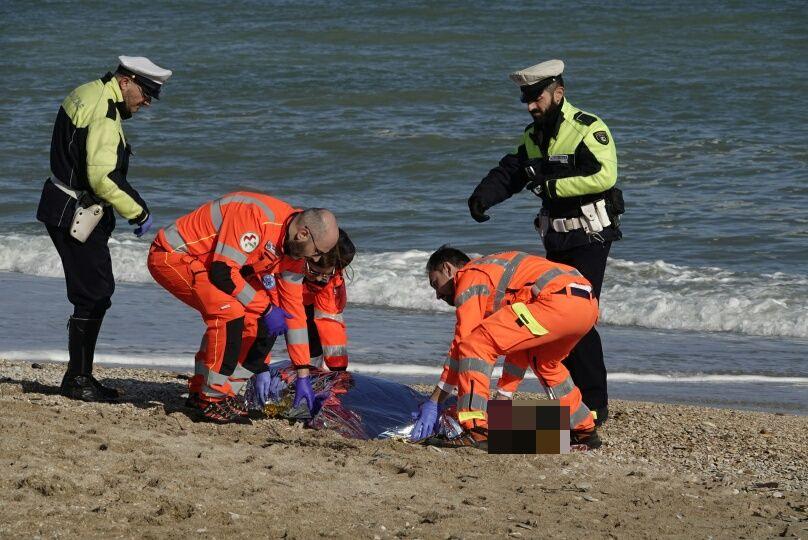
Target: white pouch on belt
(84, 219)
(603, 215)
(591, 219)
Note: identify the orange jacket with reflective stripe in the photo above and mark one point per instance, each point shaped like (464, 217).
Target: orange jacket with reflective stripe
(329, 302)
(489, 283)
(245, 229)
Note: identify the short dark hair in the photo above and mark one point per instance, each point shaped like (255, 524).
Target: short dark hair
(446, 253)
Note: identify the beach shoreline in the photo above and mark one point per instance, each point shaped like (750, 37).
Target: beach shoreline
(143, 468)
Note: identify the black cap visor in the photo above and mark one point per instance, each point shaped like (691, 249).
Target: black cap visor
(150, 88)
(531, 92)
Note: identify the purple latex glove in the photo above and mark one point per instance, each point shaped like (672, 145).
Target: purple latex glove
(426, 422)
(144, 227)
(275, 321)
(319, 399)
(303, 391)
(268, 386)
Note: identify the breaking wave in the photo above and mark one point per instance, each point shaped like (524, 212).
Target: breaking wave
(648, 294)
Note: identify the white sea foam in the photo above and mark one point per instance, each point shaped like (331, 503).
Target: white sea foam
(649, 294)
(407, 370)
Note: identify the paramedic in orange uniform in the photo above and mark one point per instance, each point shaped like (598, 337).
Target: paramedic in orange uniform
(514, 304)
(201, 259)
(324, 297)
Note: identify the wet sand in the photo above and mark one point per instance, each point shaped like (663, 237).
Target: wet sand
(144, 469)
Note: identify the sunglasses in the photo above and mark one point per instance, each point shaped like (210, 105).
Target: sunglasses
(317, 274)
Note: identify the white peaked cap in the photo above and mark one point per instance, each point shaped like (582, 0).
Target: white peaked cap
(538, 73)
(140, 65)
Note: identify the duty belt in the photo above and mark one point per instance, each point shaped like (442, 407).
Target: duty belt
(594, 218)
(73, 193)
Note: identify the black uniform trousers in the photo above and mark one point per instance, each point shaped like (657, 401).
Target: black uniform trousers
(585, 362)
(88, 271)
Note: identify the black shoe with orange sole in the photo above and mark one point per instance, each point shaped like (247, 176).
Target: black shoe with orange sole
(238, 406)
(472, 438)
(218, 412)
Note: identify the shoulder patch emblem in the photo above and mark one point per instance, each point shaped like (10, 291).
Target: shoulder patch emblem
(601, 136)
(585, 119)
(249, 241)
(268, 281)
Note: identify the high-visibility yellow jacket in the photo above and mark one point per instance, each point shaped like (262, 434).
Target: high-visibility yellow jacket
(578, 161)
(89, 153)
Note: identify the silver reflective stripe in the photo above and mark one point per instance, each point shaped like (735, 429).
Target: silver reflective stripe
(245, 199)
(210, 392)
(454, 365)
(491, 260)
(246, 295)
(446, 387)
(513, 370)
(507, 275)
(505, 393)
(325, 315)
(236, 386)
(211, 377)
(474, 290)
(174, 238)
(472, 401)
(316, 361)
(292, 277)
(335, 350)
(231, 253)
(299, 336)
(475, 364)
(549, 276)
(216, 214)
(563, 388)
(203, 347)
(579, 415)
(241, 373)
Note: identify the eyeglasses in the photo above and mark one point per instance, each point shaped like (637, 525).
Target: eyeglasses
(317, 251)
(316, 274)
(146, 97)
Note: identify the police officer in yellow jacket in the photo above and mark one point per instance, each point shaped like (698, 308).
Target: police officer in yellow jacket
(566, 157)
(89, 160)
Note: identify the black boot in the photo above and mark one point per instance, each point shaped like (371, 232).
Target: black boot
(78, 382)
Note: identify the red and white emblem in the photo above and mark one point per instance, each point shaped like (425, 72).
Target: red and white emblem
(249, 241)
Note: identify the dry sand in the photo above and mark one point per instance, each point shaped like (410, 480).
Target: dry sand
(143, 468)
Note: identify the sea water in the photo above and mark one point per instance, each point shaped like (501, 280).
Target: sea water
(390, 114)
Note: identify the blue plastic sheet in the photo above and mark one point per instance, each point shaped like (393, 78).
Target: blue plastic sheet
(358, 406)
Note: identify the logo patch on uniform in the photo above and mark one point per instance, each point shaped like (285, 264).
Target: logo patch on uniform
(249, 241)
(601, 137)
(559, 158)
(269, 281)
(270, 248)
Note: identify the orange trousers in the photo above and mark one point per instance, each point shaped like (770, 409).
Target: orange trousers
(566, 319)
(231, 348)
